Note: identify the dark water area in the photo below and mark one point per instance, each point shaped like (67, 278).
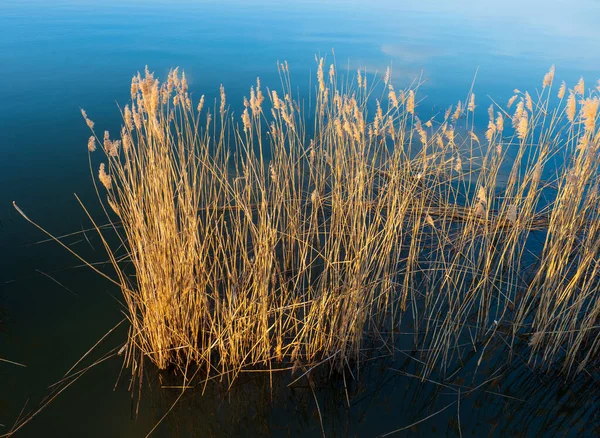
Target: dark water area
(59, 56)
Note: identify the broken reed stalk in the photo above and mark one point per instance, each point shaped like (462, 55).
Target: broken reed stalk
(257, 240)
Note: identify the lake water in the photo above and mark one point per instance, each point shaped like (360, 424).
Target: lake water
(59, 56)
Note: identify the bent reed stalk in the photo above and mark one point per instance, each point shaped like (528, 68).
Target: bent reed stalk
(257, 239)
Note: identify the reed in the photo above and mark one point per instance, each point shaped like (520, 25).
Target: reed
(256, 240)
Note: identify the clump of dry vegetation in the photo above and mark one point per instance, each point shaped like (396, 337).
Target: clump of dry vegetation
(257, 240)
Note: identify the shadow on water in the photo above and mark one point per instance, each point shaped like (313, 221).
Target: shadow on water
(479, 396)
(492, 399)
(386, 398)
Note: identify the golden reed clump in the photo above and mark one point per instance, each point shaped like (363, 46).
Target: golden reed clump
(257, 240)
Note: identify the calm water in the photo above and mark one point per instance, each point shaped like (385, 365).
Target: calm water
(59, 56)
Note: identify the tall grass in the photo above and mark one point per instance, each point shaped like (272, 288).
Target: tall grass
(253, 239)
